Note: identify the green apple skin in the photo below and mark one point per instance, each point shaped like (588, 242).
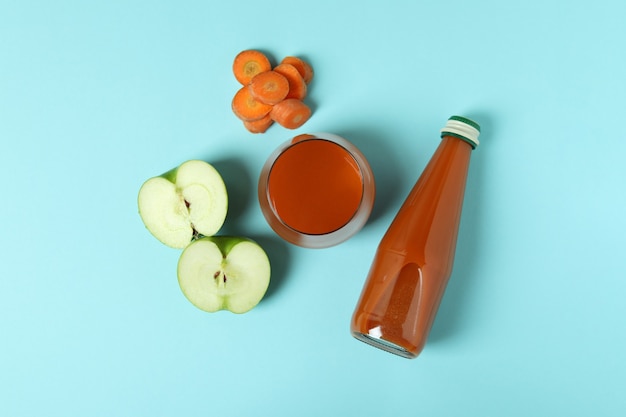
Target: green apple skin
(184, 202)
(224, 273)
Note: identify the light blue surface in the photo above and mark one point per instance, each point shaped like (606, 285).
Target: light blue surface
(95, 97)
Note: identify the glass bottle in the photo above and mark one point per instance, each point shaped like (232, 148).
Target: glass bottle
(413, 261)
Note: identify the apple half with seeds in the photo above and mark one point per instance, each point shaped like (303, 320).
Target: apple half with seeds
(224, 273)
(185, 202)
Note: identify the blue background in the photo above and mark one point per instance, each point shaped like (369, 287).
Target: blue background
(96, 97)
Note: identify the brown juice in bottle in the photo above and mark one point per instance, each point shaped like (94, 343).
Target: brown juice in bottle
(414, 259)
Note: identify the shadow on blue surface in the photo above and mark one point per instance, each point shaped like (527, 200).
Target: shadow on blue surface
(241, 187)
(389, 182)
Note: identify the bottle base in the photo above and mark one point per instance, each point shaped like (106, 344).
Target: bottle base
(385, 345)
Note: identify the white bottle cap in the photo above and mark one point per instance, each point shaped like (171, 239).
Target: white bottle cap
(462, 128)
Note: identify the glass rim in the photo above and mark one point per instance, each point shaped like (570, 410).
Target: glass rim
(322, 240)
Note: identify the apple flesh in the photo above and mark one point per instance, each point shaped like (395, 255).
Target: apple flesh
(224, 273)
(187, 201)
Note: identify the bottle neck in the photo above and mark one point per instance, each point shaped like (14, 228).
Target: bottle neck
(432, 208)
(462, 128)
(454, 137)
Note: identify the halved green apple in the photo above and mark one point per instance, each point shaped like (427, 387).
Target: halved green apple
(187, 201)
(224, 273)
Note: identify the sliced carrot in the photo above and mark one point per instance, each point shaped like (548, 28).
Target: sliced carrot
(297, 86)
(303, 136)
(249, 63)
(303, 67)
(290, 113)
(247, 108)
(259, 126)
(269, 87)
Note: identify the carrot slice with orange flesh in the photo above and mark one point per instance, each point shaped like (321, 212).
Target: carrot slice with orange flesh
(259, 126)
(301, 137)
(303, 67)
(297, 86)
(291, 113)
(246, 107)
(249, 63)
(269, 87)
